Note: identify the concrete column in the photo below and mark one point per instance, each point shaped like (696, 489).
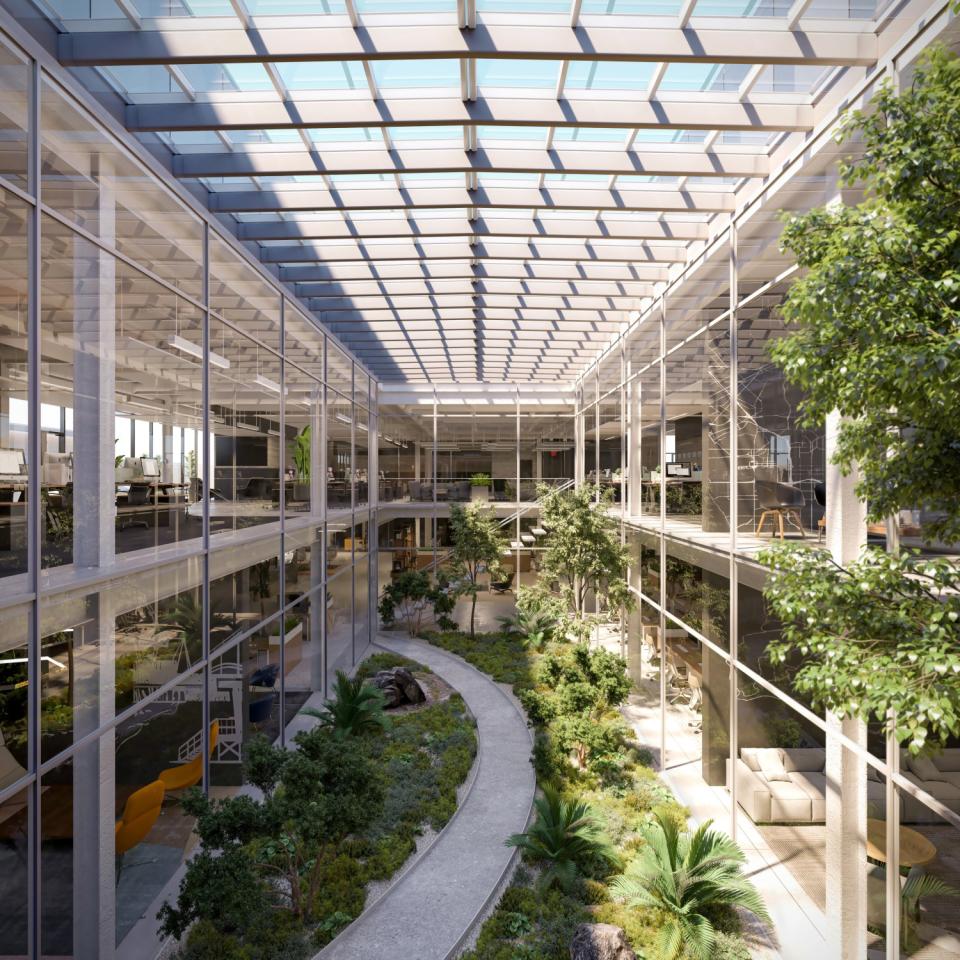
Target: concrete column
(94, 373)
(634, 433)
(318, 606)
(846, 798)
(318, 458)
(94, 813)
(166, 455)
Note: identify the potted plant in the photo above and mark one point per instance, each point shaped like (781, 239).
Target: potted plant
(301, 463)
(292, 628)
(480, 487)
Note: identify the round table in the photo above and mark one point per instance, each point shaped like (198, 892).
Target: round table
(915, 849)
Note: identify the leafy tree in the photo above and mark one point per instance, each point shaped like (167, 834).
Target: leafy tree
(583, 549)
(689, 877)
(880, 635)
(260, 864)
(409, 597)
(876, 337)
(566, 837)
(578, 690)
(478, 545)
(877, 310)
(356, 708)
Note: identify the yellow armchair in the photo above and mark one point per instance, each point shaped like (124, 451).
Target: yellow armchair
(140, 813)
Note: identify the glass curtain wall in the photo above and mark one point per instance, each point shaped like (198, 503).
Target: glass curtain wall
(713, 465)
(177, 572)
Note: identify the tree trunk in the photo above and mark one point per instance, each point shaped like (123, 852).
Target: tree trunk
(473, 612)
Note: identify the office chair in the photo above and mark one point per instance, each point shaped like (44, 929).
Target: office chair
(139, 495)
(779, 501)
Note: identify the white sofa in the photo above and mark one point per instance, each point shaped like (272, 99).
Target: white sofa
(800, 796)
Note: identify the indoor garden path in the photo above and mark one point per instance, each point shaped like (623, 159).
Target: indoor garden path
(431, 908)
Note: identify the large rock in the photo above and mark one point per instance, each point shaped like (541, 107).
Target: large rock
(600, 941)
(399, 686)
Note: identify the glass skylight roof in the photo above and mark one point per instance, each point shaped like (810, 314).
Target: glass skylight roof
(559, 161)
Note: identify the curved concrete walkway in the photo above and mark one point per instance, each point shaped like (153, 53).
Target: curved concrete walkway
(431, 908)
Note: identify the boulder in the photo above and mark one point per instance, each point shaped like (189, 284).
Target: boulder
(600, 941)
(399, 686)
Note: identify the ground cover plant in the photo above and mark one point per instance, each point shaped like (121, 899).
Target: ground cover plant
(278, 877)
(595, 812)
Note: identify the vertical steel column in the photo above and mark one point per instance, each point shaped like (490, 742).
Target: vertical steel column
(324, 530)
(892, 886)
(733, 614)
(282, 578)
(624, 482)
(663, 537)
(516, 411)
(34, 520)
(206, 467)
(353, 516)
(433, 483)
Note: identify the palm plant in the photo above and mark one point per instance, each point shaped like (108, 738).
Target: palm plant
(565, 837)
(534, 627)
(687, 876)
(356, 708)
(918, 884)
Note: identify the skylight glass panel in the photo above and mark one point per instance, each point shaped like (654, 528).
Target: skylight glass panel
(266, 135)
(522, 6)
(360, 179)
(186, 8)
(704, 76)
(633, 8)
(192, 138)
(662, 135)
(590, 134)
(287, 8)
(320, 75)
(743, 8)
(641, 179)
(789, 78)
(402, 74)
(334, 135)
(141, 79)
(592, 178)
(224, 77)
(405, 6)
(398, 134)
(535, 74)
(608, 75)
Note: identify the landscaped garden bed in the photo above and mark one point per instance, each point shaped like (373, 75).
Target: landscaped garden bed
(615, 791)
(277, 878)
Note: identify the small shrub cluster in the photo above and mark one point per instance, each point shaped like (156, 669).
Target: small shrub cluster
(279, 877)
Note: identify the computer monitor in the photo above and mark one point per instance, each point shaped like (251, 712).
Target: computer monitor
(10, 462)
(149, 467)
(678, 470)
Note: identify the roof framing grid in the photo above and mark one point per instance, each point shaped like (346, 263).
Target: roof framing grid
(582, 197)
(351, 108)
(483, 225)
(521, 251)
(496, 36)
(669, 160)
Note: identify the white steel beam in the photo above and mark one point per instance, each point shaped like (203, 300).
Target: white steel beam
(328, 38)
(659, 160)
(354, 108)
